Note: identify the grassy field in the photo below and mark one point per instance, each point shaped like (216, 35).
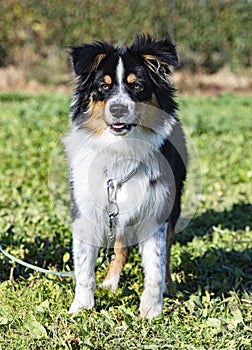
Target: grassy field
(211, 259)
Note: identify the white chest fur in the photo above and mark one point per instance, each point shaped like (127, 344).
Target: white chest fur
(143, 200)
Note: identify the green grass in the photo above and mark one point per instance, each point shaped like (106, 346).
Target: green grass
(211, 258)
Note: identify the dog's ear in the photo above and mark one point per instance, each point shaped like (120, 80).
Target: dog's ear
(87, 57)
(157, 55)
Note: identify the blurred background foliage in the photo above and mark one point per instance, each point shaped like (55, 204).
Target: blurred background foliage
(209, 34)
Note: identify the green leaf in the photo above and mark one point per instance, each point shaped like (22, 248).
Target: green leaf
(4, 321)
(44, 306)
(36, 328)
(237, 315)
(5, 315)
(66, 257)
(213, 322)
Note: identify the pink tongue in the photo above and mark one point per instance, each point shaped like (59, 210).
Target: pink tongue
(118, 126)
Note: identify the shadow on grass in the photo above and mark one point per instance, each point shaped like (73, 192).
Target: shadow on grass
(42, 251)
(219, 270)
(235, 219)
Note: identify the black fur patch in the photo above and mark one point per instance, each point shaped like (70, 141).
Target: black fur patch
(146, 59)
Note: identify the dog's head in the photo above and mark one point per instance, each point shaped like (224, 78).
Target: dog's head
(114, 81)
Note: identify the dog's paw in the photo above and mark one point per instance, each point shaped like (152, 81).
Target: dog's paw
(75, 308)
(150, 307)
(111, 283)
(77, 305)
(150, 311)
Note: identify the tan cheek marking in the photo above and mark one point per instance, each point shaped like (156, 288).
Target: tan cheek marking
(152, 118)
(131, 78)
(96, 123)
(153, 102)
(108, 79)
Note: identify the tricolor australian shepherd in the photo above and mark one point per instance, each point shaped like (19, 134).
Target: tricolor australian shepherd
(127, 159)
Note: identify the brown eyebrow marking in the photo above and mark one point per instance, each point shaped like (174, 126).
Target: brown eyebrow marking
(107, 79)
(131, 78)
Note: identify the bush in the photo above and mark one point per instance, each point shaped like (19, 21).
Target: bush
(208, 33)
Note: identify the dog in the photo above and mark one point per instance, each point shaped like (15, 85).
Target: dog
(127, 158)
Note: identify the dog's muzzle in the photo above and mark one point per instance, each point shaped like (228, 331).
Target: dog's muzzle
(120, 116)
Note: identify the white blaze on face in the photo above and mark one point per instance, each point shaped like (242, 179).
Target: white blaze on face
(120, 97)
(119, 74)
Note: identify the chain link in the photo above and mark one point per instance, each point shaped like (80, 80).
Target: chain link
(112, 209)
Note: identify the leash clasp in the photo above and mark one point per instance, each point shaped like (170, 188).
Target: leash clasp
(112, 208)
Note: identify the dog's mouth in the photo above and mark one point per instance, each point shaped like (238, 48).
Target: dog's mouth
(121, 128)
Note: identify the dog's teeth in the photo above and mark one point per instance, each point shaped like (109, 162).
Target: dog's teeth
(118, 126)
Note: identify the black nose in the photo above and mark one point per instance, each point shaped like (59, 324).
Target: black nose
(118, 110)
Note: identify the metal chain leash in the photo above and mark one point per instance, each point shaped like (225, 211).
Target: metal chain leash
(112, 209)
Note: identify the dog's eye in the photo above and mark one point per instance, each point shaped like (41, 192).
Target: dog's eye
(104, 87)
(137, 86)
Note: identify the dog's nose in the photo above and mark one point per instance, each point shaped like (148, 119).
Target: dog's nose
(118, 110)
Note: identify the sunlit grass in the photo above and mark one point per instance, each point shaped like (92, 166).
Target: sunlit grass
(211, 258)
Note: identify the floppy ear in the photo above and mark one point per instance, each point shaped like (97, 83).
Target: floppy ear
(87, 57)
(158, 55)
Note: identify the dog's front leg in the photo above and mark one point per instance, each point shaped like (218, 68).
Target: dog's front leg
(153, 260)
(85, 256)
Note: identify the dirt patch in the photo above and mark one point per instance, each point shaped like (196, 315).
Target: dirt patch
(212, 84)
(14, 79)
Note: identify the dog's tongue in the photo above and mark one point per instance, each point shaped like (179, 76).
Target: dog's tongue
(118, 126)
